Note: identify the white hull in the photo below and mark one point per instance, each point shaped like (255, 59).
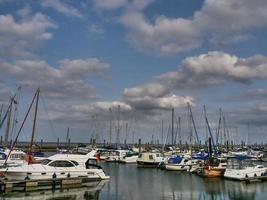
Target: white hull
(245, 174)
(129, 160)
(176, 167)
(16, 174)
(57, 166)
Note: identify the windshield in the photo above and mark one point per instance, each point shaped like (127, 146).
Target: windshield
(45, 161)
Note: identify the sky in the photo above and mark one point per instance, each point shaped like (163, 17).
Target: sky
(129, 62)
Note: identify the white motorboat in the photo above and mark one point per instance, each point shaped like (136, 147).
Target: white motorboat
(116, 155)
(57, 166)
(130, 157)
(149, 159)
(184, 165)
(246, 173)
(16, 157)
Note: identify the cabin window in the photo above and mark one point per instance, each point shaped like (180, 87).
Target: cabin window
(2, 156)
(140, 156)
(74, 162)
(61, 163)
(157, 155)
(45, 161)
(150, 157)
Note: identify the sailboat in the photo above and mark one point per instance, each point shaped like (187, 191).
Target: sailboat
(214, 166)
(8, 157)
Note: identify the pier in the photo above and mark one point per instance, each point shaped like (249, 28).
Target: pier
(47, 184)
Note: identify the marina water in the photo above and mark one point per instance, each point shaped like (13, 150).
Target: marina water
(128, 182)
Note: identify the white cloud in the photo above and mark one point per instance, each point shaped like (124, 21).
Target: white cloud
(62, 8)
(67, 81)
(216, 68)
(221, 22)
(164, 37)
(83, 67)
(166, 102)
(19, 38)
(150, 89)
(105, 105)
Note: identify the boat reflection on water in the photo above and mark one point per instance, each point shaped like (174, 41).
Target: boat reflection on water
(216, 189)
(228, 189)
(90, 191)
(131, 182)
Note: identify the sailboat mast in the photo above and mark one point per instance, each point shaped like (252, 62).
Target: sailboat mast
(110, 125)
(118, 128)
(8, 123)
(172, 125)
(190, 128)
(1, 110)
(34, 120)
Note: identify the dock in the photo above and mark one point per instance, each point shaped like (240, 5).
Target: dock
(46, 184)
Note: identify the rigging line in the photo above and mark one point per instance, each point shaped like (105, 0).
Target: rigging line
(5, 116)
(24, 120)
(49, 120)
(15, 115)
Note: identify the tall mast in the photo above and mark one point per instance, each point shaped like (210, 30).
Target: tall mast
(1, 110)
(162, 133)
(118, 128)
(126, 132)
(110, 124)
(67, 137)
(219, 127)
(34, 120)
(179, 132)
(8, 123)
(172, 125)
(224, 131)
(190, 127)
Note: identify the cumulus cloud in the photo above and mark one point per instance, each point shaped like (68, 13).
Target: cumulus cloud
(67, 81)
(162, 103)
(150, 89)
(61, 7)
(216, 68)
(166, 36)
(219, 22)
(20, 37)
(153, 96)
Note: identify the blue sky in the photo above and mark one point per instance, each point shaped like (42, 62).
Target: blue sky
(145, 55)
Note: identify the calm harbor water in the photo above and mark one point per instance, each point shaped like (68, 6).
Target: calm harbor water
(128, 182)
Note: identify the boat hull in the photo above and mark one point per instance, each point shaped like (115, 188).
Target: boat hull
(173, 167)
(211, 172)
(147, 164)
(245, 174)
